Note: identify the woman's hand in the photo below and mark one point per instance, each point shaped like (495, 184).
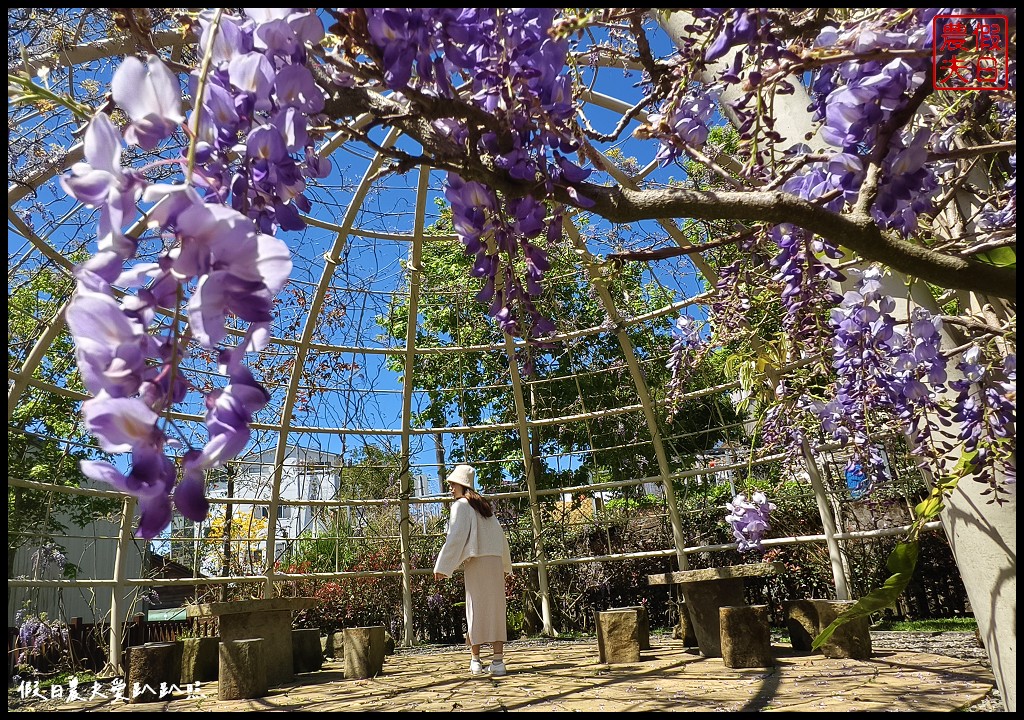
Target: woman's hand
(439, 576)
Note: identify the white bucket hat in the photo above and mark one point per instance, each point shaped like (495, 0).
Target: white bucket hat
(463, 475)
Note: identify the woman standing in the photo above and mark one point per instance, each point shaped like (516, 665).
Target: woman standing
(477, 542)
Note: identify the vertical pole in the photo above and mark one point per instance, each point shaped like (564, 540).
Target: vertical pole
(835, 553)
(270, 549)
(229, 512)
(331, 258)
(409, 382)
(531, 487)
(124, 540)
(678, 536)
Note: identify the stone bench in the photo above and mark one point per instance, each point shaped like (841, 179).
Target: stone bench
(151, 666)
(364, 651)
(805, 619)
(643, 624)
(618, 636)
(307, 653)
(705, 591)
(269, 619)
(199, 659)
(683, 629)
(746, 636)
(243, 669)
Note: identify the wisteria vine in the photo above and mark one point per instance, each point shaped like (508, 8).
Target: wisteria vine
(514, 69)
(867, 79)
(243, 182)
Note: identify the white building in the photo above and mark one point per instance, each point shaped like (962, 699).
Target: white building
(306, 475)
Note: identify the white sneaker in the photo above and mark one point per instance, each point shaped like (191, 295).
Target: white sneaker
(476, 667)
(497, 668)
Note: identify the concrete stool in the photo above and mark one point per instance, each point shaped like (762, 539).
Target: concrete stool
(243, 669)
(364, 651)
(334, 645)
(851, 639)
(643, 624)
(746, 636)
(150, 665)
(306, 652)
(199, 659)
(801, 617)
(684, 627)
(617, 636)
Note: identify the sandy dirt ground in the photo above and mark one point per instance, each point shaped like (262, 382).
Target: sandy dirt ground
(908, 672)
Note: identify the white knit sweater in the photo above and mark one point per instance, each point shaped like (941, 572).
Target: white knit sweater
(471, 535)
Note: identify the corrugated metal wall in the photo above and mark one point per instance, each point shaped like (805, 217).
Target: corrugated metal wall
(93, 549)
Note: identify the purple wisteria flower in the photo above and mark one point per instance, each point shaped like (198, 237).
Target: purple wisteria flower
(47, 554)
(807, 282)
(112, 348)
(100, 182)
(686, 120)
(687, 347)
(749, 520)
(889, 372)
(220, 255)
(986, 408)
(151, 96)
(856, 98)
(150, 480)
(514, 70)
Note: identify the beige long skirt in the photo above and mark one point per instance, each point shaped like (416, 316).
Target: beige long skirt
(485, 600)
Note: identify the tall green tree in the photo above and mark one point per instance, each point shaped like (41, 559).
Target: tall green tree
(473, 388)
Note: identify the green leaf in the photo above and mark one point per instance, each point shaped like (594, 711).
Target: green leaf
(901, 564)
(929, 508)
(966, 462)
(1000, 257)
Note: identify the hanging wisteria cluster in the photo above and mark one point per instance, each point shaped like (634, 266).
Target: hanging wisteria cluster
(514, 70)
(885, 372)
(986, 408)
(750, 520)
(220, 259)
(683, 122)
(806, 280)
(687, 347)
(888, 372)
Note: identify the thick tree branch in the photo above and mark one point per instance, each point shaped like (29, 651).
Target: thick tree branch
(869, 188)
(856, 231)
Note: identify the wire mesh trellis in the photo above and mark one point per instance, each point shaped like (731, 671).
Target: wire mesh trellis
(383, 372)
